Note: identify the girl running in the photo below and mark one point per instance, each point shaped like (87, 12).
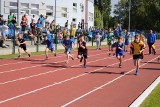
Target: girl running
(22, 45)
(119, 45)
(82, 50)
(137, 47)
(68, 45)
(49, 46)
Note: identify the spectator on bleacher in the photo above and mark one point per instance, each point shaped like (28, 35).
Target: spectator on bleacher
(1, 20)
(42, 20)
(46, 22)
(14, 19)
(39, 31)
(24, 18)
(10, 17)
(4, 34)
(52, 26)
(33, 18)
(72, 32)
(32, 32)
(23, 25)
(65, 32)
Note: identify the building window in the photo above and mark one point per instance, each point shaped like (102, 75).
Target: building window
(25, 12)
(13, 10)
(64, 15)
(74, 20)
(74, 10)
(49, 8)
(90, 16)
(34, 12)
(74, 4)
(49, 13)
(25, 5)
(35, 6)
(64, 9)
(13, 3)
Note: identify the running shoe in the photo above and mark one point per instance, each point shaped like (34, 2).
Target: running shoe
(136, 72)
(29, 55)
(55, 54)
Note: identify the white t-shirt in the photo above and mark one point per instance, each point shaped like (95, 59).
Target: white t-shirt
(33, 18)
(98, 37)
(4, 28)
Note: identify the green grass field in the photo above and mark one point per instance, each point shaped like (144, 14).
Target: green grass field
(153, 100)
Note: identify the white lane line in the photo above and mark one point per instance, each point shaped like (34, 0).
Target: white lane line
(55, 83)
(145, 94)
(39, 65)
(100, 87)
(32, 76)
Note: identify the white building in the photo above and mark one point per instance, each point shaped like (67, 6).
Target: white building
(72, 10)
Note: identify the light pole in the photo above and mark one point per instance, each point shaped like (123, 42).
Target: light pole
(55, 9)
(129, 25)
(18, 12)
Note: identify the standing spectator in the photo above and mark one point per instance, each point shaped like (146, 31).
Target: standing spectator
(39, 30)
(33, 18)
(46, 22)
(72, 32)
(1, 20)
(65, 32)
(151, 39)
(41, 19)
(98, 39)
(126, 41)
(24, 18)
(14, 19)
(33, 31)
(52, 26)
(4, 34)
(23, 25)
(79, 25)
(10, 17)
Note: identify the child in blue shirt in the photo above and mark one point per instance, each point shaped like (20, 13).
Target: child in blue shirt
(49, 46)
(119, 45)
(68, 45)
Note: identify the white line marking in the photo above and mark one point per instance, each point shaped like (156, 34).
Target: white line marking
(55, 83)
(145, 94)
(100, 87)
(32, 76)
(39, 65)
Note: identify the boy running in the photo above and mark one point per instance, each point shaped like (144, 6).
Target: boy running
(137, 47)
(22, 45)
(82, 50)
(49, 46)
(119, 45)
(68, 45)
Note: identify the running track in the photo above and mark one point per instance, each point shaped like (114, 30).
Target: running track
(34, 82)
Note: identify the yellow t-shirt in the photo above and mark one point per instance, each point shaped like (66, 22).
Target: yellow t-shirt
(72, 31)
(137, 47)
(65, 32)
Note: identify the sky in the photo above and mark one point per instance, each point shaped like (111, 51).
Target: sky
(113, 2)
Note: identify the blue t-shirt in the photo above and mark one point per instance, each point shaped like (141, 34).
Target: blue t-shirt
(68, 43)
(38, 25)
(116, 45)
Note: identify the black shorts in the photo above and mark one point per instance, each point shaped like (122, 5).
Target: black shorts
(23, 47)
(84, 55)
(139, 56)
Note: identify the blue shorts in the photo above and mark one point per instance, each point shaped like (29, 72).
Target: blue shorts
(4, 33)
(126, 42)
(68, 50)
(119, 54)
(51, 47)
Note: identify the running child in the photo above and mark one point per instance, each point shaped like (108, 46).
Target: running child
(49, 46)
(68, 45)
(119, 45)
(137, 47)
(82, 50)
(22, 45)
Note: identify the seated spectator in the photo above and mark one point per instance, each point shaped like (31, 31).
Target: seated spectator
(4, 34)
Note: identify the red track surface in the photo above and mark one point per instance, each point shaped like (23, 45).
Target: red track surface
(34, 82)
